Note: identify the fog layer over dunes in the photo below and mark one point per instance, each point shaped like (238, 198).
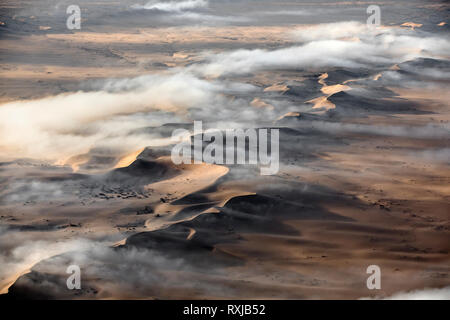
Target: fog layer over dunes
(106, 117)
(86, 178)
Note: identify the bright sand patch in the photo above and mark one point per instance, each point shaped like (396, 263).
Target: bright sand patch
(8, 282)
(277, 87)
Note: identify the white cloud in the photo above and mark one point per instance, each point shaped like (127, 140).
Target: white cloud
(172, 6)
(329, 31)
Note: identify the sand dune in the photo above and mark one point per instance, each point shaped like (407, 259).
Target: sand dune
(86, 176)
